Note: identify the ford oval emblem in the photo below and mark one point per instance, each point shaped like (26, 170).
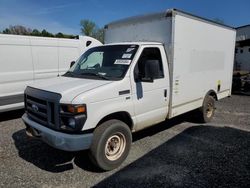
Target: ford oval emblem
(35, 108)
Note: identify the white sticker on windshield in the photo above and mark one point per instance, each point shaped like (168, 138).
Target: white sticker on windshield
(130, 49)
(122, 62)
(126, 56)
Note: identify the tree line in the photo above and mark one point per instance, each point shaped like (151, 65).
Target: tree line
(87, 27)
(22, 30)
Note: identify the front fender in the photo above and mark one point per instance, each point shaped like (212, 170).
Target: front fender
(98, 110)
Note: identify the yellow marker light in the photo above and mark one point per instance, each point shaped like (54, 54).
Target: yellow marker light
(80, 109)
(76, 109)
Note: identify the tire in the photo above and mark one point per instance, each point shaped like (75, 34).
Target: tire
(206, 112)
(110, 145)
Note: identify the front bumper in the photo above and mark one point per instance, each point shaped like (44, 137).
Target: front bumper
(62, 141)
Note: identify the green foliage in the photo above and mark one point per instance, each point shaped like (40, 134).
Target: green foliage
(6, 31)
(59, 35)
(36, 32)
(46, 33)
(21, 30)
(99, 35)
(89, 28)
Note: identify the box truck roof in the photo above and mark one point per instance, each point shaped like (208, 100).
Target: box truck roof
(161, 15)
(135, 43)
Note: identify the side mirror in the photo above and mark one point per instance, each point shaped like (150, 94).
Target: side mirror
(152, 70)
(72, 63)
(88, 43)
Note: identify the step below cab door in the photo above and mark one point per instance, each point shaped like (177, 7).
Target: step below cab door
(150, 96)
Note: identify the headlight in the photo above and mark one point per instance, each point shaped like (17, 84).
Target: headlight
(72, 117)
(72, 123)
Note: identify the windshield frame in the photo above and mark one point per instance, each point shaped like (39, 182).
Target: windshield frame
(97, 76)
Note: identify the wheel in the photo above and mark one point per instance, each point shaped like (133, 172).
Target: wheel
(206, 112)
(111, 144)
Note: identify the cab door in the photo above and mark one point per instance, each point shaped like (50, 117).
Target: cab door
(150, 97)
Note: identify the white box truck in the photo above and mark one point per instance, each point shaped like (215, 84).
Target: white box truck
(24, 59)
(152, 68)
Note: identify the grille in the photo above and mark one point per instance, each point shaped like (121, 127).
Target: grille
(40, 110)
(42, 107)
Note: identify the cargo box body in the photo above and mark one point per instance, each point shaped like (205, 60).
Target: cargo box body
(200, 53)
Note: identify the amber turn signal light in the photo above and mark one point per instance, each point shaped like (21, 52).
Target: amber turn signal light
(76, 109)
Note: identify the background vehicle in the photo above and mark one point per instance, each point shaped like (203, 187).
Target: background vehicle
(24, 59)
(152, 68)
(241, 78)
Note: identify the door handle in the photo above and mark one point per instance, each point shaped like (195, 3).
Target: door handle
(165, 93)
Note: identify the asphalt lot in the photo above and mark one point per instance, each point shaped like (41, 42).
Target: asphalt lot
(176, 153)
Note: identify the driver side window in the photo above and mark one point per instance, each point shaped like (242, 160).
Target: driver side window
(149, 54)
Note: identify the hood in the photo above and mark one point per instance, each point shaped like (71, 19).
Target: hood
(68, 87)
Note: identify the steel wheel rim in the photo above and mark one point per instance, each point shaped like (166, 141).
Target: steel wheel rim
(209, 110)
(115, 146)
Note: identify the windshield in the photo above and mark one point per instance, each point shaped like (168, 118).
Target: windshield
(104, 62)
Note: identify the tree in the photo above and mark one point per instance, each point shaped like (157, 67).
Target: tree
(6, 31)
(36, 32)
(22, 30)
(17, 30)
(90, 28)
(99, 35)
(46, 33)
(59, 35)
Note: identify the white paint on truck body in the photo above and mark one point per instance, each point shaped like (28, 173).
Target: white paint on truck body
(203, 60)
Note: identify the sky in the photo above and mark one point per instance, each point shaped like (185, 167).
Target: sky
(65, 15)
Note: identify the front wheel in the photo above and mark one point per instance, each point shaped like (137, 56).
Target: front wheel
(206, 112)
(111, 144)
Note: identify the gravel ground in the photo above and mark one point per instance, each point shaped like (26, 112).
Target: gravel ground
(176, 153)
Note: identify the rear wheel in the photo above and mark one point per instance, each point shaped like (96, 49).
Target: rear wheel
(111, 144)
(206, 112)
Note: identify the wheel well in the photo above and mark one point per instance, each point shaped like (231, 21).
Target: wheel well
(122, 116)
(213, 94)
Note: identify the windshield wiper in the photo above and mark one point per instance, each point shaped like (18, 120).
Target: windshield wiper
(96, 74)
